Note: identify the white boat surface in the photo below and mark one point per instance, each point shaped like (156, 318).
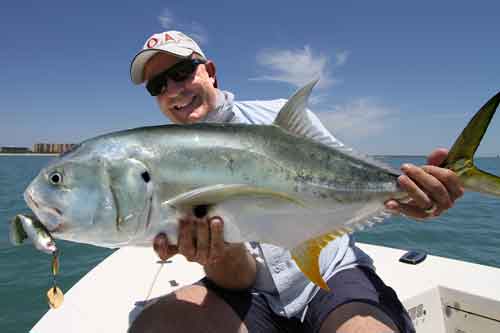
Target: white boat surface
(441, 295)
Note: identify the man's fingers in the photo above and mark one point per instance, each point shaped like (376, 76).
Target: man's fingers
(409, 209)
(187, 246)
(434, 189)
(202, 241)
(217, 238)
(437, 157)
(431, 189)
(448, 178)
(160, 245)
(162, 248)
(414, 192)
(392, 206)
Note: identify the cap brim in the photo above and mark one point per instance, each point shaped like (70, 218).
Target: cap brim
(141, 58)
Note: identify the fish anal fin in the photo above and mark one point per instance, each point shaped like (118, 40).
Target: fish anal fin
(306, 256)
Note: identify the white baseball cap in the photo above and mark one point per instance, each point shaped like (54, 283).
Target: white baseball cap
(172, 42)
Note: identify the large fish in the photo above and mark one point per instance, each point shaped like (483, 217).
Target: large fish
(282, 183)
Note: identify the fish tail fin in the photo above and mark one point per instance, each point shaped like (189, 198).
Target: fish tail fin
(306, 255)
(461, 156)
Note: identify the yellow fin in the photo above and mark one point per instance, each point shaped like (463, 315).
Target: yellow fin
(306, 255)
(461, 156)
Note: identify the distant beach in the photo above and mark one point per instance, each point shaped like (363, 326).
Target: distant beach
(29, 154)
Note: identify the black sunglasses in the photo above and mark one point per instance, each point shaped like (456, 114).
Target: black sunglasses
(178, 72)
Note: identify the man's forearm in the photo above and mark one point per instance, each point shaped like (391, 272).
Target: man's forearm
(236, 269)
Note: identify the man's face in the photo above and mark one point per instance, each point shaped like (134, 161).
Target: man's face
(187, 101)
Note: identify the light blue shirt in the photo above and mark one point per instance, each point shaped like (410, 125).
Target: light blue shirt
(286, 289)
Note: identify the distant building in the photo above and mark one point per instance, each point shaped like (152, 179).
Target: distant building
(14, 150)
(51, 148)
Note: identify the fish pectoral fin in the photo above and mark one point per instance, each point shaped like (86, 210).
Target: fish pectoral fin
(306, 255)
(216, 194)
(130, 184)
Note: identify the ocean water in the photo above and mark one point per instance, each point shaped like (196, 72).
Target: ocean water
(470, 231)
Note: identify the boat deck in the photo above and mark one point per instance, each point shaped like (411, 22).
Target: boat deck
(441, 295)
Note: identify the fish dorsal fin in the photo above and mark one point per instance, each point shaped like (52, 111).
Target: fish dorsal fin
(211, 195)
(293, 117)
(306, 255)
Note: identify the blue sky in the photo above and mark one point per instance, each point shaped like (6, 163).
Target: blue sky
(398, 77)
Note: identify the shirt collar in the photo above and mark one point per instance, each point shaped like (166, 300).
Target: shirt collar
(223, 112)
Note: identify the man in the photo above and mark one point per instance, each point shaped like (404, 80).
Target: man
(257, 287)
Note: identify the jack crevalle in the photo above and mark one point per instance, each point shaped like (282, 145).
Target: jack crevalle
(279, 183)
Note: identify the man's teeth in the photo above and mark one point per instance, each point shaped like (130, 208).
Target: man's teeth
(178, 107)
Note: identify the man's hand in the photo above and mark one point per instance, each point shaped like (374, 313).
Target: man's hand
(200, 240)
(431, 189)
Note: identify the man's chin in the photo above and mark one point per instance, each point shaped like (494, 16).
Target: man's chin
(192, 116)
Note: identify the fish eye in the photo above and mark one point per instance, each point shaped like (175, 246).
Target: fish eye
(55, 178)
(146, 177)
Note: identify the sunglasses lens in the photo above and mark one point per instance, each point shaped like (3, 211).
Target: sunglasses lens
(155, 85)
(182, 72)
(178, 73)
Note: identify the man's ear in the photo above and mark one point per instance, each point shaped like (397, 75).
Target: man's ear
(212, 70)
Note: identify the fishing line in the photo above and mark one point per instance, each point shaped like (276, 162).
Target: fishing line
(162, 263)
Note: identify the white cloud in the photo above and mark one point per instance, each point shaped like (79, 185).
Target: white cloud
(195, 30)
(359, 119)
(166, 19)
(298, 67)
(341, 58)
(318, 99)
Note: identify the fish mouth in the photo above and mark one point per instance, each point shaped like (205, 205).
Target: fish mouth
(42, 210)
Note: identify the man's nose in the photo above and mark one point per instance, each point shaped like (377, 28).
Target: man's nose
(174, 88)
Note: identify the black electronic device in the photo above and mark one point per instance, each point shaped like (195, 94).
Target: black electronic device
(413, 257)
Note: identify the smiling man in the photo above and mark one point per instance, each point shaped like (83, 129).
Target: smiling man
(190, 105)
(257, 287)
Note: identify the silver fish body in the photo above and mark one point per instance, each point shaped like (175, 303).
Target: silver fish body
(258, 171)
